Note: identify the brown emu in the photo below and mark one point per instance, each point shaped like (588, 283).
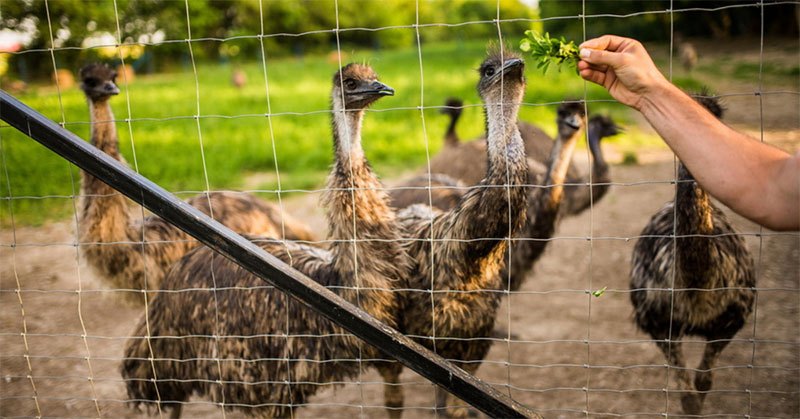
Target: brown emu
(454, 291)
(691, 274)
(544, 203)
(135, 253)
(271, 352)
(464, 162)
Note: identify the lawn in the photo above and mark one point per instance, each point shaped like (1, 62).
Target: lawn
(233, 138)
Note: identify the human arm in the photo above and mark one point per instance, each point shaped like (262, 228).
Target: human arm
(754, 179)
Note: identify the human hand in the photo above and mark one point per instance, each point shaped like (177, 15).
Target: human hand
(622, 66)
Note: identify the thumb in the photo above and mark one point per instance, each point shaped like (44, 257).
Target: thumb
(601, 57)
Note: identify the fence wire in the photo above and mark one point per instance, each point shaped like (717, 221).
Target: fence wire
(565, 343)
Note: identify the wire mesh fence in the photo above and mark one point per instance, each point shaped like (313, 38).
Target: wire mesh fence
(564, 343)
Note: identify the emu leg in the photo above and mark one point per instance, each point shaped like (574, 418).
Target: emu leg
(392, 391)
(446, 402)
(176, 411)
(704, 376)
(691, 403)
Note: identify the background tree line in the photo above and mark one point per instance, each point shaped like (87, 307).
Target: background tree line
(73, 23)
(155, 21)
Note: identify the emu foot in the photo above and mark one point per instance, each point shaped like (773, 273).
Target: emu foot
(692, 403)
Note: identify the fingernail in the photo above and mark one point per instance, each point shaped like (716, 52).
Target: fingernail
(585, 53)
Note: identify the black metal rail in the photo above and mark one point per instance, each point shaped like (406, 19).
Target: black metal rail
(256, 260)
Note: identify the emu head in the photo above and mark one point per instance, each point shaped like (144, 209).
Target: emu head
(502, 77)
(452, 106)
(570, 117)
(602, 126)
(358, 85)
(97, 81)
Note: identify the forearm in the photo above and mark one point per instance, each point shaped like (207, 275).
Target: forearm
(756, 180)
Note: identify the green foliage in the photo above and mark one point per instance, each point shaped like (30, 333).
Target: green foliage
(626, 18)
(209, 21)
(546, 50)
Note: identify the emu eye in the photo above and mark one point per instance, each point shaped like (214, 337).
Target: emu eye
(488, 72)
(350, 84)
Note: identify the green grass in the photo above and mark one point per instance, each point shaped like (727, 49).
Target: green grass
(236, 139)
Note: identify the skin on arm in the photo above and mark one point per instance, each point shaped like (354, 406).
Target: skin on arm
(758, 181)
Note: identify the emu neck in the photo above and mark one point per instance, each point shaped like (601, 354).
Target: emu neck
(694, 221)
(693, 206)
(365, 243)
(347, 135)
(560, 159)
(104, 211)
(505, 148)
(104, 132)
(450, 137)
(600, 168)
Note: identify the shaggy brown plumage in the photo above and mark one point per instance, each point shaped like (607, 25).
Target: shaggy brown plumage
(272, 352)
(464, 161)
(454, 289)
(690, 247)
(135, 253)
(544, 203)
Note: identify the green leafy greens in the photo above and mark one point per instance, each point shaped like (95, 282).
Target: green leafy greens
(547, 50)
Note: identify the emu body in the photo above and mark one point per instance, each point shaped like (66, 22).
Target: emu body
(454, 288)
(134, 253)
(250, 346)
(691, 274)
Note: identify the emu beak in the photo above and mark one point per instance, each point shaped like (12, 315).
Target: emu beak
(379, 89)
(110, 88)
(573, 121)
(511, 64)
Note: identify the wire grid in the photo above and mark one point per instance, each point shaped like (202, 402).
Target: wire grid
(65, 368)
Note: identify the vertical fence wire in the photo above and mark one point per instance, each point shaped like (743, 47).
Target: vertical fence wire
(592, 385)
(77, 244)
(18, 290)
(217, 323)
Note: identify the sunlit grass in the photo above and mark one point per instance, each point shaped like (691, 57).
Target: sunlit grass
(171, 113)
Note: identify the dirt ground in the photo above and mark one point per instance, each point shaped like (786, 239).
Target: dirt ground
(62, 333)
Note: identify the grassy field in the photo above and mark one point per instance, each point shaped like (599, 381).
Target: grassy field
(163, 138)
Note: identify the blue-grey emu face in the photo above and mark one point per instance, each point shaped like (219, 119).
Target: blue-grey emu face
(359, 85)
(501, 76)
(570, 118)
(98, 81)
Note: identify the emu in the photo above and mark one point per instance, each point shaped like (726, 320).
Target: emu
(453, 292)
(544, 202)
(135, 253)
(462, 162)
(691, 274)
(271, 351)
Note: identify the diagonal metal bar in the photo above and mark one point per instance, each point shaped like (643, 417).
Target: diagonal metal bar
(251, 257)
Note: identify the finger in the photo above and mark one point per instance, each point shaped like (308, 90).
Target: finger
(605, 42)
(593, 76)
(599, 57)
(583, 64)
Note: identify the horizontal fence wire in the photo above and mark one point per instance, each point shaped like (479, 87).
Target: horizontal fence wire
(514, 375)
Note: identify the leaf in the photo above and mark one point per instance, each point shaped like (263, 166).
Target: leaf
(598, 293)
(547, 50)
